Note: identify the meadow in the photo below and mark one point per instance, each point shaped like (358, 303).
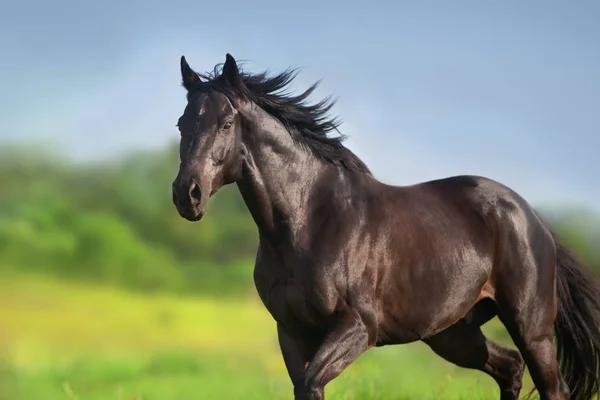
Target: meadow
(80, 341)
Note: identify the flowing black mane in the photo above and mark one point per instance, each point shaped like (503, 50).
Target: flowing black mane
(309, 124)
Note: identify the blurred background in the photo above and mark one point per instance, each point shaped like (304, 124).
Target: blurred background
(106, 293)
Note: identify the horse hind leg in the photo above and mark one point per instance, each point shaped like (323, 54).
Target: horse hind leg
(533, 335)
(525, 294)
(464, 344)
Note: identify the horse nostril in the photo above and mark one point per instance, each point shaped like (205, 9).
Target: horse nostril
(195, 193)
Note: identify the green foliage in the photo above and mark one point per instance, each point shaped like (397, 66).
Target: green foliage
(114, 222)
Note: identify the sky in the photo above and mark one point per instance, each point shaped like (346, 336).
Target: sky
(426, 89)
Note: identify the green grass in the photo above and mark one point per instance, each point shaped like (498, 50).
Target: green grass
(71, 341)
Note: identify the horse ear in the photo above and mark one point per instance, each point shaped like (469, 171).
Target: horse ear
(188, 75)
(231, 71)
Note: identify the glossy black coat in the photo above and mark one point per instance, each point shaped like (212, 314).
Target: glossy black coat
(346, 262)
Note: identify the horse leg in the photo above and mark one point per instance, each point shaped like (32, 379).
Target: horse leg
(526, 298)
(296, 355)
(341, 346)
(466, 346)
(533, 333)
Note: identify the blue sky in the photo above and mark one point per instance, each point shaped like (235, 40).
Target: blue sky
(426, 89)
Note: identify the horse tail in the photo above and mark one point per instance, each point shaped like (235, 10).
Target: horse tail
(577, 325)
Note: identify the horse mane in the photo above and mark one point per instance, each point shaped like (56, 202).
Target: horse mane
(308, 124)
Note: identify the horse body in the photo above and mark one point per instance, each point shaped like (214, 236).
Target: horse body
(449, 236)
(439, 244)
(346, 263)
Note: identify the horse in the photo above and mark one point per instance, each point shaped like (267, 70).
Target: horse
(346, 262)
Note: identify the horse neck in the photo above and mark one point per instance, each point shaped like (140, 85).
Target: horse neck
(279, 178)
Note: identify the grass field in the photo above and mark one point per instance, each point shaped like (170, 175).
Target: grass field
(69, 341)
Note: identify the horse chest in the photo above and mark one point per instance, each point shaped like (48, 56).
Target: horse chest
(289, 301)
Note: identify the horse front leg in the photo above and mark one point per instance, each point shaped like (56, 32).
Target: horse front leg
(341, 346)
(297, 351)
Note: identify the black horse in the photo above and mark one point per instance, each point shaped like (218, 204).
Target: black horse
(346, 262)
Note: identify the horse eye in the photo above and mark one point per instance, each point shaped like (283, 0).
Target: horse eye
(227, 125)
